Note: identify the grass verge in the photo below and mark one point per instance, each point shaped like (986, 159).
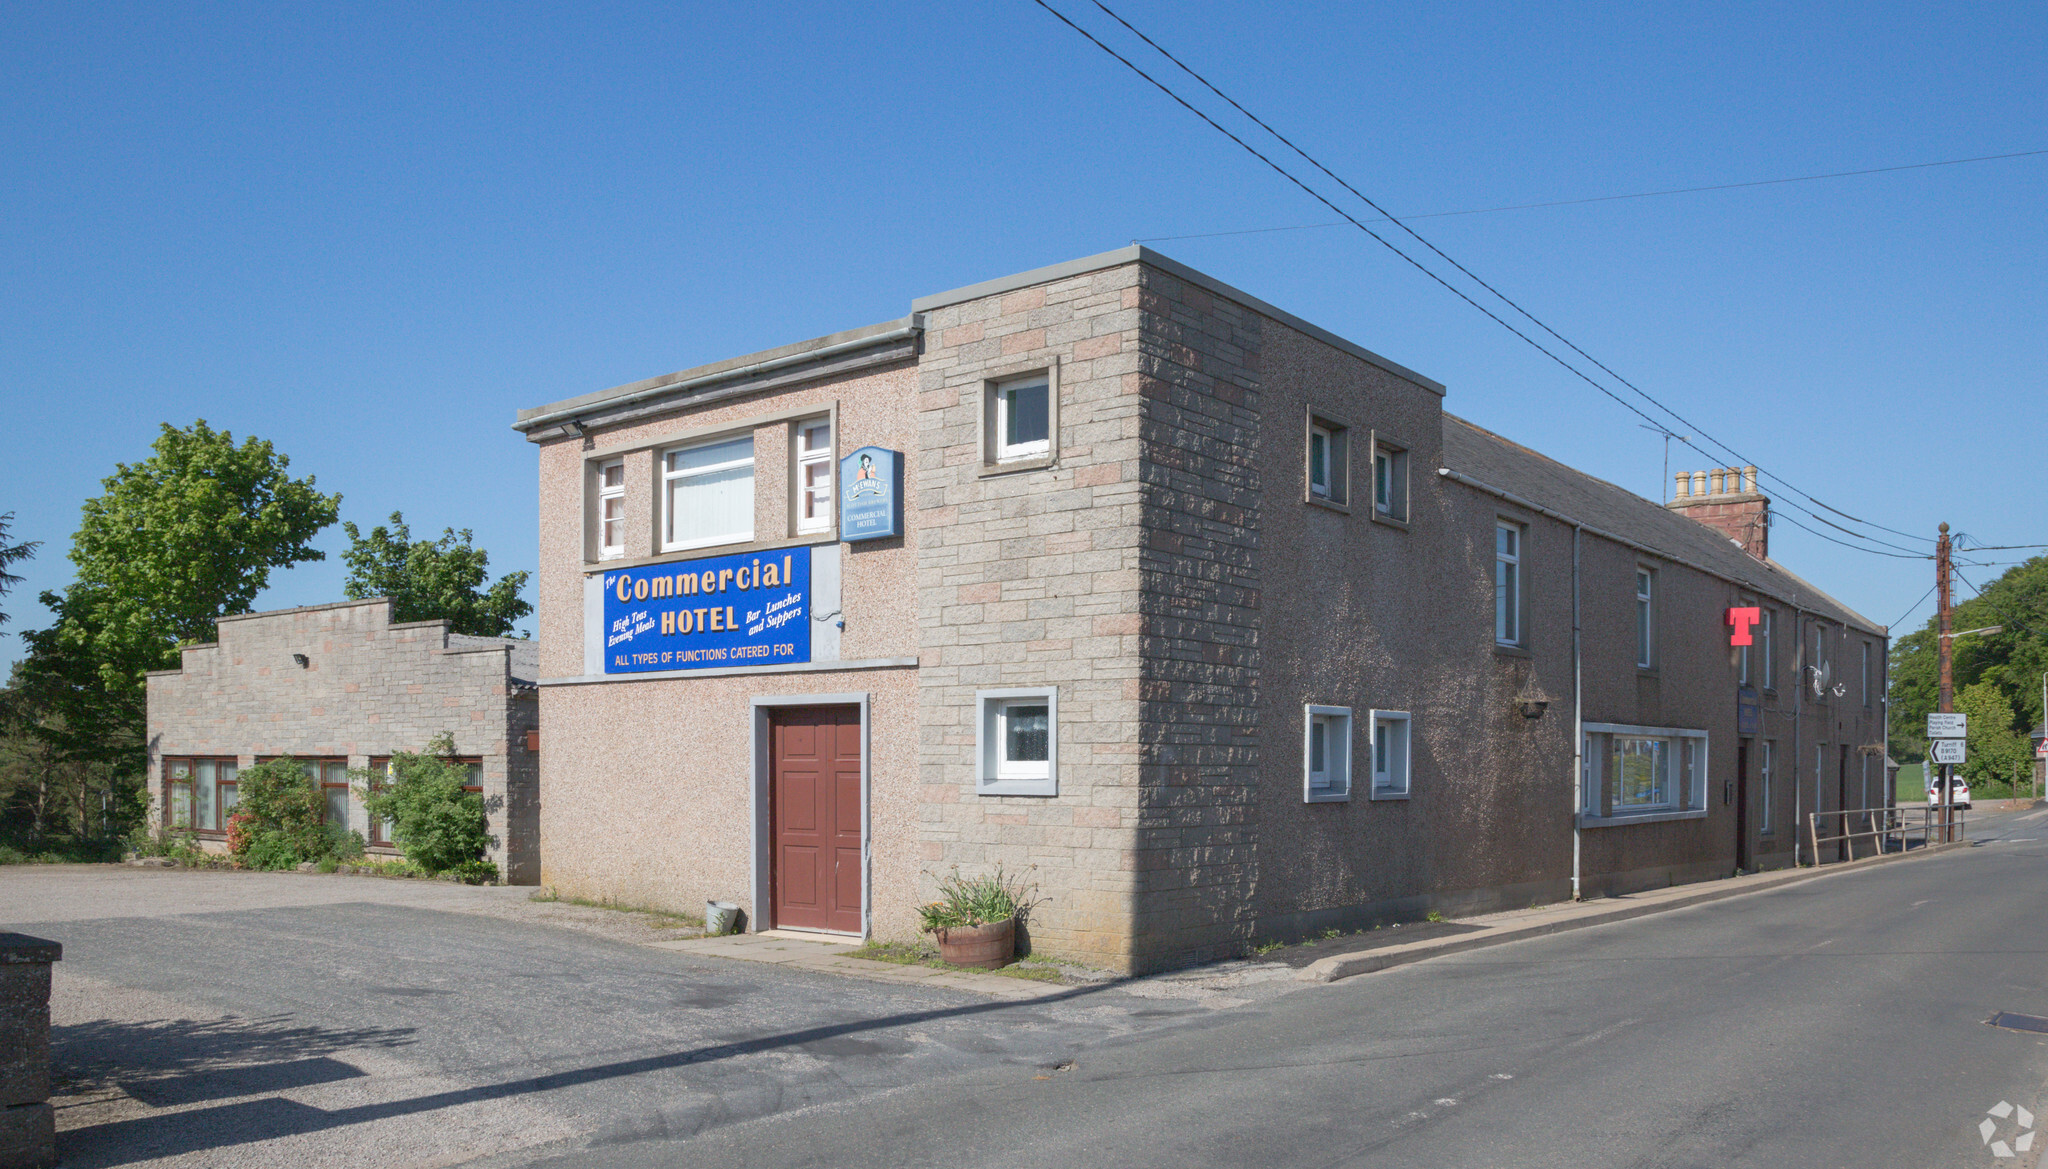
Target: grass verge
(663, 919)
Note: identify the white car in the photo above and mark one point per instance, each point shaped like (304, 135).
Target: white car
(1961, 797)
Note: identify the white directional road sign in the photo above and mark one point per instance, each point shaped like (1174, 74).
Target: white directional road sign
(1947, 750)
(1947, 726)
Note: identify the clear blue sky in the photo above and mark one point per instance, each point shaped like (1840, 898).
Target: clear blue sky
(370, 233)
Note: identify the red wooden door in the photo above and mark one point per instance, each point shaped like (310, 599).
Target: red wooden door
(814, 774)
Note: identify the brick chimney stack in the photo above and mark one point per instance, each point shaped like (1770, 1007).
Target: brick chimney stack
(1726, 500)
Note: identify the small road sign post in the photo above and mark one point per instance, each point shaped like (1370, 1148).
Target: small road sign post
(1944, 725)
(1947, 751)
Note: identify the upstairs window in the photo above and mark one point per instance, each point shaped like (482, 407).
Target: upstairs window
(1023, 418)
(1866, 673)
(708, 494)
(814, 476)
(1389, 481)
(1507, 583)
(1646, 618)
(1328, 459)
(611, 509)
(1326, 753)
(1763, 646)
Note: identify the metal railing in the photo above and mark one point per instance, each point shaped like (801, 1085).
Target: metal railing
(1886, 830)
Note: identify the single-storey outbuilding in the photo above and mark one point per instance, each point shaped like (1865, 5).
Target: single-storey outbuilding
(339, 687)
(1212, 623)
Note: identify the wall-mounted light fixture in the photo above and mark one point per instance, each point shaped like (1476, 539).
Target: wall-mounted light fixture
(302, 660)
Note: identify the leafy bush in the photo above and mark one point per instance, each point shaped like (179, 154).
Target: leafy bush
(440, 827)
(971, 901)
(278, 822)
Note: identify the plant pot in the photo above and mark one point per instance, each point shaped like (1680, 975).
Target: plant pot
(985, 946)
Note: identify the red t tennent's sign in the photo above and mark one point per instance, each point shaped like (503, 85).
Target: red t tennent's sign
(1742, 619)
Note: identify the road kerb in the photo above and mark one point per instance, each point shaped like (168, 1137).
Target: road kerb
(1583, 915)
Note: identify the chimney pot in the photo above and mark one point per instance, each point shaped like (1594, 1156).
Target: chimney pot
(1699, 482)
(1718, 478)
(1749, 479)
(1684, 485)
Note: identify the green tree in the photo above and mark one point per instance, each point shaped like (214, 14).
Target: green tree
(2011, 661)
(430, 579)
(9, 553)
(1995, 752)
(186, 536)
(441, 827)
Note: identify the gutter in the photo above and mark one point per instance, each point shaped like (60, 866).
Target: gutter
(900, 333)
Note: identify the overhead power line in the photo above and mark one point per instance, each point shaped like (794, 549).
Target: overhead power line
(1842, 174)
(1913, 606)
(1460, 293)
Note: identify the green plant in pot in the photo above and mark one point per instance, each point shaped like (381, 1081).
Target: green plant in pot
(975, 919)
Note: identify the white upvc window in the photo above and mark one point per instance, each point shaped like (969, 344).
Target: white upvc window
(708, 494)
(1321, 459)
(814, 465)
(1656, 772)
(1507, 583)
(1768, 748)
(1023, 418)
(1763, 640)
(1326, 753)
(1017, 742)
(1391, 754)
(611, 509)
(1646, 618)
(1866, 675)
(1821, 676)
(1389, 481)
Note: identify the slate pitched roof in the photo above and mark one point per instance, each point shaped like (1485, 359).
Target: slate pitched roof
(1511, 467)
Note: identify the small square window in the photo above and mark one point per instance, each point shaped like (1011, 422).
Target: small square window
(1017, 743)
(1326, 753)
(1390, 754)
(814, 476)
(1328, 458)
(1023, 418)
(1389, 481)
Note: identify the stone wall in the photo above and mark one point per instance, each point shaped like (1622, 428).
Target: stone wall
(369, 688)
(1031, 578)
(27, 1128)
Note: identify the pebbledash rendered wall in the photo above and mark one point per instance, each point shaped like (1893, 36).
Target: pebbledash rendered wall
(368, 688)
(1168, 574)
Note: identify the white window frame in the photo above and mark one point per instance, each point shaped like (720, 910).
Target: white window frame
(1689, 801)
(1866, 676)
(1005, 450)
(1400, 769)
(1767, 619)
(610, 494)
(1334, 488)
(1646, 617)
(1509, 565)
(669, 477)
(992, 776)
(1336, 774)
(1392, 504)
(801, 464)
(1767, 749)
(1321, 488)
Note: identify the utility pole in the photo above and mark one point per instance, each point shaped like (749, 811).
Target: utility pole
(1947, 696)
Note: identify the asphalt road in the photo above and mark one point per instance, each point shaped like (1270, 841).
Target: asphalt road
(1834, 1022)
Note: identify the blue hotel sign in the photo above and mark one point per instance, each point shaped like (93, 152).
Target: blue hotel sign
(870, 494)
(753, 609)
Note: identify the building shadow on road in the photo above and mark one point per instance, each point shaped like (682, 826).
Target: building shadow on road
(248, 1121)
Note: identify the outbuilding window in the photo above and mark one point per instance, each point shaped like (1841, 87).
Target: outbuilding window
(708, 494)
(199, 793)
(1643, 772)
(1326, 753)
(1017, 742)
(1390, 754)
